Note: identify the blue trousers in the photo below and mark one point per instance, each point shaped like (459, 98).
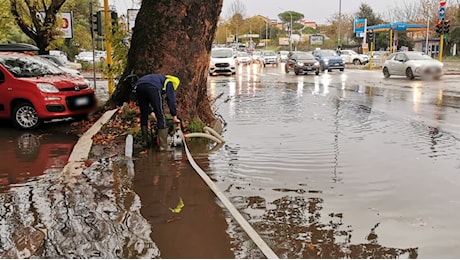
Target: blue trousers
(149, 98)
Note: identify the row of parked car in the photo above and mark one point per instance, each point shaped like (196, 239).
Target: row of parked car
(225, 60)
(407, 63)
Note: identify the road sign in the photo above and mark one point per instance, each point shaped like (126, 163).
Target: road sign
(442, 11)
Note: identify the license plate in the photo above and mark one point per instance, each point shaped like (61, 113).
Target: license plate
(82, 101)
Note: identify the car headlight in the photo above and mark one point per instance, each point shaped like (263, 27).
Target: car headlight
(300, 63)
(326, 61)
(316, 63)
(47, 88)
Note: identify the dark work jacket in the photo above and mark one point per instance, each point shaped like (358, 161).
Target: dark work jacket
(158, 81)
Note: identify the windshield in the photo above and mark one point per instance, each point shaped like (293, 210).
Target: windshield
(269, 53)
(221, 53)
(329, 53)
(418, 56)
(29, 66)
(305, 56)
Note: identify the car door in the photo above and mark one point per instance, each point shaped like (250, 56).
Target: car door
(398, 64)
(3, 95)
(345, 56)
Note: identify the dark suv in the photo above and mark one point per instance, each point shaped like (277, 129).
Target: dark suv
(32, 91)
(301, 62)
(329, 60)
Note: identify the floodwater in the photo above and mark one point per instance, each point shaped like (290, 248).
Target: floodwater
(320, 166)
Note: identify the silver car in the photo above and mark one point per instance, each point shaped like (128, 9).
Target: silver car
(412, 64)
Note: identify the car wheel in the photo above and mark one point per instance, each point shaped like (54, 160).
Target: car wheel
(409, 74)
(386, 73)
(264, 65)
(25, 116)
(329, 70)
(342, 69)
(356, 62)
(296, 72)
(286, 68)
(317, 72)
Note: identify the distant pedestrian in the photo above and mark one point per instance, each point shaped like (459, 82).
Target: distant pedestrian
(150, 90)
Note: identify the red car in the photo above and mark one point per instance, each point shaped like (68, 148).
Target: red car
(32, 91)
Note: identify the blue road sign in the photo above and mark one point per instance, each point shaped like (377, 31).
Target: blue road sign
(442, 11)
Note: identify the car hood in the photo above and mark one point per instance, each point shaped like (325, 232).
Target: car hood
(425, 63)
(59, 81)
(307, 60)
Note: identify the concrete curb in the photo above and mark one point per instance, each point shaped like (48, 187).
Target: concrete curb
(82, 148)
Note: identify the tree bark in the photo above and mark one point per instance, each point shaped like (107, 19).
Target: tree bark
(175, 38)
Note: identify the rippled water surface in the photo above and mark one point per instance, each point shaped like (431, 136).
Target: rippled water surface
(342, 171)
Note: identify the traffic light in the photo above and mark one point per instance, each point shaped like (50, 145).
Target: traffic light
(96, 23)
(439, 27)
(370, 36)
(114, 21)
(446, 26)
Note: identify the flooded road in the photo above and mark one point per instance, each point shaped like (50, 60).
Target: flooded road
(330, 169)
(330, 166)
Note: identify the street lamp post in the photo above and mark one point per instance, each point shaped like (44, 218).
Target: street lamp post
(290, 32)
(427, 6)
(340, 21)
(266, 33)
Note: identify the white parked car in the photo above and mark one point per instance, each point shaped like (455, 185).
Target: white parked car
(87, 56)
(255, 56)
(283, 56)
(412, 64)
(50, 59)
(243, 58)
(269, 57)
(352, 57)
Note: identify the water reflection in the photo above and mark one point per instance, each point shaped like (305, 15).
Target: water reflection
(187, 221)
(296, 227)
(29, 155)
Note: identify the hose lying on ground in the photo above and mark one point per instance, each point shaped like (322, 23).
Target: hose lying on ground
(209, 133)
(266, 250)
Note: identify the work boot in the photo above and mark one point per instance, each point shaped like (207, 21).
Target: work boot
(163, 138)
(145, 136)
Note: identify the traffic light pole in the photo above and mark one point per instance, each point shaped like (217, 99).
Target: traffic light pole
(92, 42)
(108, 45)
(441, 46)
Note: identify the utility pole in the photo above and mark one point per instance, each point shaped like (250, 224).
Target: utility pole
(290, 32)
(108, 45)
(266, 33)
(92, 42)
(340, 21)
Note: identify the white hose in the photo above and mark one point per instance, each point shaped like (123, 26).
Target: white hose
(266, 250)
(213, 132)
(215, 139)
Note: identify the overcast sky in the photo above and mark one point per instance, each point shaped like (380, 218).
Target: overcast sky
(314, 10)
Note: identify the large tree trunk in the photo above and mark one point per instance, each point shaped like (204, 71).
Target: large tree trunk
(174, 37)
